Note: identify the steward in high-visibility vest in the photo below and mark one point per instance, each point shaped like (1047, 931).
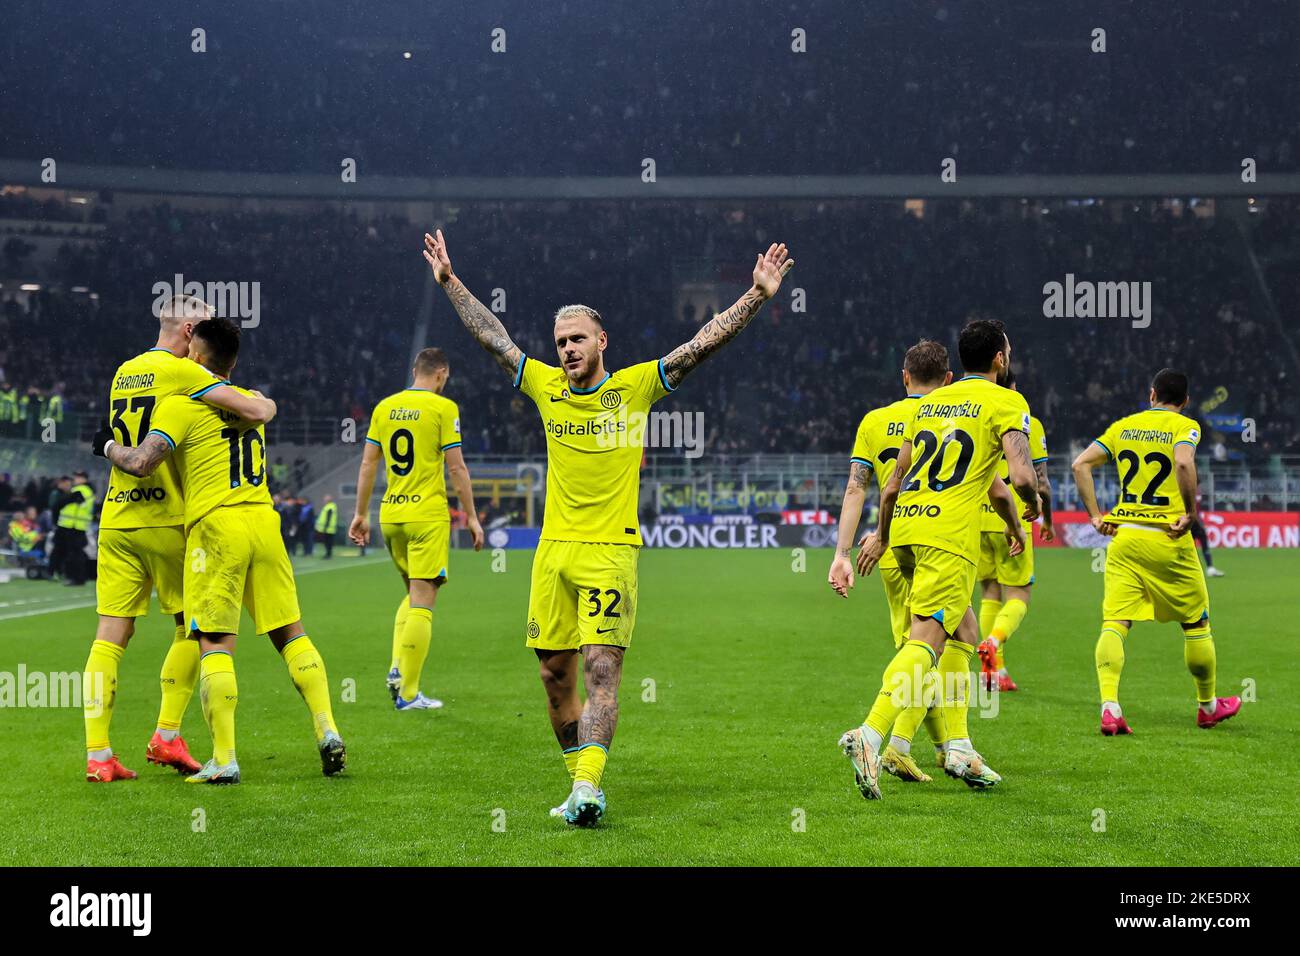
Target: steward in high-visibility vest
(8, 404)
(75, 515)
(327, 523)
(78, 514)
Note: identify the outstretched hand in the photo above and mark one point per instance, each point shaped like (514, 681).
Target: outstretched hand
(435, 253)
(771, 268)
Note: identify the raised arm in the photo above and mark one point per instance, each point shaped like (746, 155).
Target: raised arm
(482, 324)
(721, 329)
(141, 461)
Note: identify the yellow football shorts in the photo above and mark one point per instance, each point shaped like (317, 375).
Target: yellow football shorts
(582, 594)
(1152, 577)
(132, 563)
(941, 581)
(996, 562)
(235, 557)
(898, 594)
(419, 548)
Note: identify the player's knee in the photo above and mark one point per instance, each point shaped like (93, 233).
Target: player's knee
(556, 674)
(603, 670)
(115, 630)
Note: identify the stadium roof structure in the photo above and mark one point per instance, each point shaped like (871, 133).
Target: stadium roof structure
(410, 188)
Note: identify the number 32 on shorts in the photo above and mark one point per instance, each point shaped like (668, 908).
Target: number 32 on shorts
(604, 603)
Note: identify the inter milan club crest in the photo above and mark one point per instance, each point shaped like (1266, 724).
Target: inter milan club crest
(611, 399)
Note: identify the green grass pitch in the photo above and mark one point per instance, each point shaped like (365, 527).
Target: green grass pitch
(756, 669)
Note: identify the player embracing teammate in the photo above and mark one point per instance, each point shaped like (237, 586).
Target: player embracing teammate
(929, 518)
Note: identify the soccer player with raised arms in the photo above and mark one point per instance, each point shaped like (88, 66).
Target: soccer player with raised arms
(929, 515)
(142, 541)
(1006, 579)
(1152, 572)
(235, 556)
(875, 452)
(416, 431)
(583, 596)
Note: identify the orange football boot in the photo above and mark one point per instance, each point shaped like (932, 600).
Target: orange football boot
(171, 753)
(106, 771)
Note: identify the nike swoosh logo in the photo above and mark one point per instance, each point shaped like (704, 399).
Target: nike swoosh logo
(560, 399)
(608, 630)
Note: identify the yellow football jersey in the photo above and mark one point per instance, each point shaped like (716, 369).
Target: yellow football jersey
(1142, 448)
(989, 518)
(139, 385)
(220, 457)
(594, 440)
(880, 434)
(956, 435)
(414, 429)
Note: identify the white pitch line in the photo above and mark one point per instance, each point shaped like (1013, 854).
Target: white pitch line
(355, 563)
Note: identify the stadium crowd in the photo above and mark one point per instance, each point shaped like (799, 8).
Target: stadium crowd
(338, 296)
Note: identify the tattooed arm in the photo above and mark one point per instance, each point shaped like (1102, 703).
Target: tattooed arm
(874, 544)
(721, 329)
(142, 461)
(1015, 445)
(1005, 505)
(855, 493)
(482, 324)
(1047, 530)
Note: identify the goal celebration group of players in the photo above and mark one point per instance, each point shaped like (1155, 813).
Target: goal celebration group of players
(959, 464)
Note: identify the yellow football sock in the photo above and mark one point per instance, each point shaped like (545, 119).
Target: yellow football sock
(935, 725)
(590, 766)
(399, 625)
(1110, 659)
(1009, 618)
(308, 673)
(219, 695)
(99, 692)
(916, 711)
(988, 614)
(907, 722)
(954, 675)
(571, 761)
(415, 648)
(1201, 660)
(180, 672)
(902, 685)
